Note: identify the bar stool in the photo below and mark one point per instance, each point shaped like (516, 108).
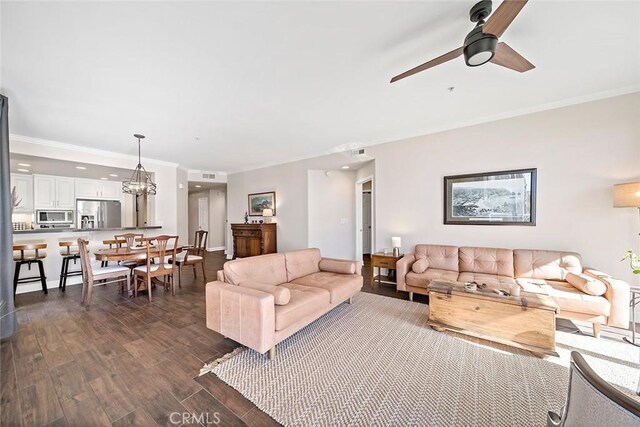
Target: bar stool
(70, 252)
(28, 253)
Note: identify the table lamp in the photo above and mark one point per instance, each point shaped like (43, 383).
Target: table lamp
(627, 196)
(268, 215)
(396, 243)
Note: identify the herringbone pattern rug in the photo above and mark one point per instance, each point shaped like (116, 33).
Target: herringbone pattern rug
(376, 363)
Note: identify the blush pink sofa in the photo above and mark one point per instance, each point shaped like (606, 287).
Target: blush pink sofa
(260, 301)
(539, 271)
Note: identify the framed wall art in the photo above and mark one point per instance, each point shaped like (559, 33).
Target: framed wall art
(491, 198)
(260, 201)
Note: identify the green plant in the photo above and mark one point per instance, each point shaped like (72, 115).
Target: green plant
(634, 261)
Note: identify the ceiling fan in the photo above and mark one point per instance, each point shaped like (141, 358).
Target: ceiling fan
(481, 44)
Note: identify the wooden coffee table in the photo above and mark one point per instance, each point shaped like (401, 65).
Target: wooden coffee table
(527, 321)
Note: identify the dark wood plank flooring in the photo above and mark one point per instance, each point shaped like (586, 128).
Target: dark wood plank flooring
(129, 362)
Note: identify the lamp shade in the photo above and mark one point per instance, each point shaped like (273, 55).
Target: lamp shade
(396, 242)
(626, 195)
(267, 212)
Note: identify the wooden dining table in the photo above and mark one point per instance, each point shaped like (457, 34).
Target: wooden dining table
(133, 254)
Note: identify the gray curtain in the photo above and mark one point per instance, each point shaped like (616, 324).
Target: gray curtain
(8, 323)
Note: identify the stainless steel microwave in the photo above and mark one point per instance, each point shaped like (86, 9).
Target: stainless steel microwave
(54, 217)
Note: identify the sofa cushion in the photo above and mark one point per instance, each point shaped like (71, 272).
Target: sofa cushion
(281, 295)
(492, 281)
(494, 261)
(302, 263)
(305, 301)
(422, 280)
(340, 286)
(337, 266)
(420, 266)
(569, 298)
(587, 284)
(551, 265)
(269, 269)
(440, 257)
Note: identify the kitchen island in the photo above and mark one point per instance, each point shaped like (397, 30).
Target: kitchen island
(53, 261)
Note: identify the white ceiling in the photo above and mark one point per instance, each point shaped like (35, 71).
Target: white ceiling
(264, 83)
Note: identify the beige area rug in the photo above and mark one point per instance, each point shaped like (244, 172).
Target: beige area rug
(377, 363)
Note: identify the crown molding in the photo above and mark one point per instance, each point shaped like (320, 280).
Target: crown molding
(81, 149)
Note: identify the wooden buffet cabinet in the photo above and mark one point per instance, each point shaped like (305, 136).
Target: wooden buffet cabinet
(254, 239)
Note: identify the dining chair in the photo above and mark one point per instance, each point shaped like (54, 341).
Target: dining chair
(192, 256)
(91, 274)
(164, 246)
(130, 240)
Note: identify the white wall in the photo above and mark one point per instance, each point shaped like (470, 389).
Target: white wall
(182, 204)
(331, 208)
(579, 151)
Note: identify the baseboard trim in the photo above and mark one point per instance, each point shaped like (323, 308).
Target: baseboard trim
(51, 284)
(216, 248)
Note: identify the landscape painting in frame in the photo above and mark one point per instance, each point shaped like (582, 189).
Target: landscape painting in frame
(492, 198)
(261, 201)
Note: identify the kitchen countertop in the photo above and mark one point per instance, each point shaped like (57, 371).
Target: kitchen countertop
(84, 230)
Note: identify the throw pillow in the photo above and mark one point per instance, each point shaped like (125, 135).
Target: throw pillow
(587, 284)
(337, 266)
(420, 266)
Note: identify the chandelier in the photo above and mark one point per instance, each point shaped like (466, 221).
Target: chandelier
(140, 182)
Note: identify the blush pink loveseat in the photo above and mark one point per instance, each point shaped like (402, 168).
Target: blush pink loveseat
(260, 301)
(539, 271)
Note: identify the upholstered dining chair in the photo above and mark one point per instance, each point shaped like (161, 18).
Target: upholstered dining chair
(192, 256)
(592, 401)
(165, 246)
(91, 274)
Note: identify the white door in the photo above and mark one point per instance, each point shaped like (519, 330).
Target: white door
(110, 190)
(44, 192)
(203, 213)
(366, 223)
(65, 193)
(24, 191)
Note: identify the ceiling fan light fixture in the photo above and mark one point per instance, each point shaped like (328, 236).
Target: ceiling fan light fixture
(479, 48)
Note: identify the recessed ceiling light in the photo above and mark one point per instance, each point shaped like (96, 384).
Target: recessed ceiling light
(113, 175)
(104, 179)
(345, 167)
(26, 165)
(81, 168)
(198, 186)
(23, 170)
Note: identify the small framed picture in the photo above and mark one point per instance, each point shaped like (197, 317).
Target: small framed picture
(260, 201)
(491, 198)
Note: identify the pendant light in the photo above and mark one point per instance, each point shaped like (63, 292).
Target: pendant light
(140, 182)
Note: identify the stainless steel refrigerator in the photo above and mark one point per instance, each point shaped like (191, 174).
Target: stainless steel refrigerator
(98, 213)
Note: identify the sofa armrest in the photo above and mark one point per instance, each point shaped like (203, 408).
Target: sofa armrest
(220, 276)
(617, 294)
(341, 266)
(402, 268)
(243, 314)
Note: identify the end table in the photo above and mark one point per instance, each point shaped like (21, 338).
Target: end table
(381, 260)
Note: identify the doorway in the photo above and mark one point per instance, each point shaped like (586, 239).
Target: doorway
(365, 235)
(203, 213)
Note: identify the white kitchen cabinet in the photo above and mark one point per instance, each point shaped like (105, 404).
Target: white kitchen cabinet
(65, 193)
(98, 189)
(44, 192)
(53, 192)
(111, 190)
(24, 190)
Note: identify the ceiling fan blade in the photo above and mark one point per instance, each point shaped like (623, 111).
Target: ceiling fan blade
(503, 16)
(439, 60)
(507, 57)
